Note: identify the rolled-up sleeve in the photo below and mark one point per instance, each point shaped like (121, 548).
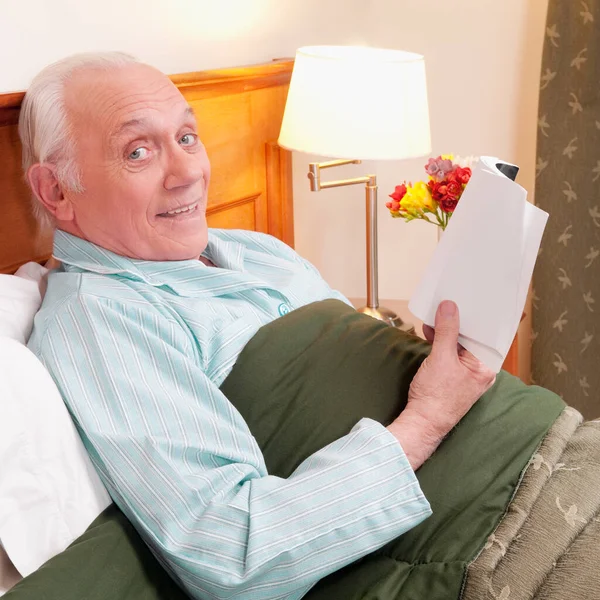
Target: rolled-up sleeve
(183, 466)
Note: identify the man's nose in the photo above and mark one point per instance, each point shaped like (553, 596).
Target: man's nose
(182, 168)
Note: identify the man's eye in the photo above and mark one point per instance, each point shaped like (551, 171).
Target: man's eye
(189, 139)
(139, 153)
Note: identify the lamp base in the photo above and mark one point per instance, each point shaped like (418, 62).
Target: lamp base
(389, 317)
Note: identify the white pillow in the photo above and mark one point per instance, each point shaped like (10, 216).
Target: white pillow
(49, 490)
(20, 298)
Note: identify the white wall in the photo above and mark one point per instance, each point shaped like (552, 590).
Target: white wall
(175, 35)
(483, 62)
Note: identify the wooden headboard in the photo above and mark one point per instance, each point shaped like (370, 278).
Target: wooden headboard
(239, 113)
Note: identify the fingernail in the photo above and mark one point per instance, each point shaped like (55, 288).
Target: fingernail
(448, 308)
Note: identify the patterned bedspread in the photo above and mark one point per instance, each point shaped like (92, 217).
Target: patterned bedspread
(547, 546)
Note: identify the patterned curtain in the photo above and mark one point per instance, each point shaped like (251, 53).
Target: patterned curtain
(566, 284)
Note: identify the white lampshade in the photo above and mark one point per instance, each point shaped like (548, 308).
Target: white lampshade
(357, 102)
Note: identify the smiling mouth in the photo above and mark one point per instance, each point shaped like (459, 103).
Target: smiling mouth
(184, 210)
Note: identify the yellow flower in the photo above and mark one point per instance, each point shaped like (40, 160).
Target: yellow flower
(409, 202)
(417, 198)
(447, 156)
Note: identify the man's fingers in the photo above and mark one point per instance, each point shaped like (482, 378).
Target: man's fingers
(447, 324)
(429, 333)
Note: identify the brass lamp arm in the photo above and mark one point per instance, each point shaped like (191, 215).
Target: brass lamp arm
(314, 174)
(370, 181)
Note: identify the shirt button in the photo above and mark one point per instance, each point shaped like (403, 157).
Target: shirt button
(284, 309)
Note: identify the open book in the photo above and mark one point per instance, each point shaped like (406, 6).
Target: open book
(484, 261)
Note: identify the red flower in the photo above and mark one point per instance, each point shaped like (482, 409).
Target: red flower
(451, 177)
(399, 193)
(454, 190)
(446, 183)
(463, 175)
(447, 192)
(439, 189)
(448, 204)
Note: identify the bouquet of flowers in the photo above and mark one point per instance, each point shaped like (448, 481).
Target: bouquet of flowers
(433, 200)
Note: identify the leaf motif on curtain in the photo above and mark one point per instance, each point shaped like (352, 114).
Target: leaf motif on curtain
(566, 285)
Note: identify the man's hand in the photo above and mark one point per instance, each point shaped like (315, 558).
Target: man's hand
(446, 386)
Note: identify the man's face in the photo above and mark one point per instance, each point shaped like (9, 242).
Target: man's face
(141, 160)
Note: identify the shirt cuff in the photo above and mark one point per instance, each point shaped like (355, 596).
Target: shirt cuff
(381, 434)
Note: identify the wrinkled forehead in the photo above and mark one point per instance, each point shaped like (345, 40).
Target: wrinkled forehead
(105, 99)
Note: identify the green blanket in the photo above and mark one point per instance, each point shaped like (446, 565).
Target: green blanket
(301, 382)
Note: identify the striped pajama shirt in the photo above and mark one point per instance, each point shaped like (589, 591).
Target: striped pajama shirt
(139, 349)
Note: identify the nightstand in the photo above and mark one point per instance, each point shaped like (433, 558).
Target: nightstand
(400, 307)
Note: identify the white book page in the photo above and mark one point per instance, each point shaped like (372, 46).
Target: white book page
(484, 263)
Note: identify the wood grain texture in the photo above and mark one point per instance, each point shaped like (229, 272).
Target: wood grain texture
(511, 362)
(279, 192)
(204, 84)
(239, 113)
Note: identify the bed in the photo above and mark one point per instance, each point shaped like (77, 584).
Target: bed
(512, 488)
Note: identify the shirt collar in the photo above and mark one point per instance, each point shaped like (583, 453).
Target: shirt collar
(75, 252)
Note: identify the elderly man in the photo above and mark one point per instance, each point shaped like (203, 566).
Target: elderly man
(144, 320)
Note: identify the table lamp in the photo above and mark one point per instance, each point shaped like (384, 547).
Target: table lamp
(353, 104)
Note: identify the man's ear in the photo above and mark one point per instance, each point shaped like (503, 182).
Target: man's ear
(48, 190)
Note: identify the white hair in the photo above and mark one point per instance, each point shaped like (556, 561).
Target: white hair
(44, 129)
